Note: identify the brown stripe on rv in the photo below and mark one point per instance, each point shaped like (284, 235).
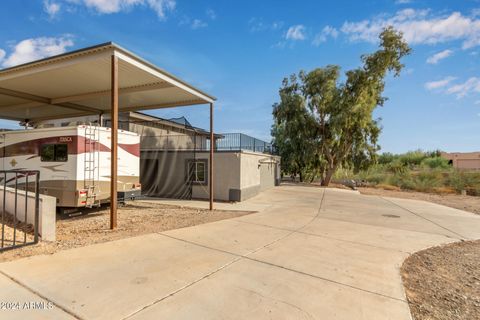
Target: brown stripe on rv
(75, 145)
(131, 148)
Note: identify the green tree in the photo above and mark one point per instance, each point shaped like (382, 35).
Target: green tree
(343, 130)
(292, 129)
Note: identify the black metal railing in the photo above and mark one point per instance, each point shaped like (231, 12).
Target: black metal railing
(224, 142)
(19, 203)
(240, 141)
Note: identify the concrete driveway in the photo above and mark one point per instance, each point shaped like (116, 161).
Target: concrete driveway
(309, 253)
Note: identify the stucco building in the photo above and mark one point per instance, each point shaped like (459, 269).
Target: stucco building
(464, 160)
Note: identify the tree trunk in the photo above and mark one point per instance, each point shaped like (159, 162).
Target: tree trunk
(301, 176)
(328, 176)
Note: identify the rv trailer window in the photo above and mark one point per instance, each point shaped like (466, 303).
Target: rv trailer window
(54, 153)
(48, 152)
(61, 152)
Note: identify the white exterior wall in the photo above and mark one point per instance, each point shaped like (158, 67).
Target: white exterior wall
(250, 170)
(237, 174)
(47, 210)
(253, 180)
(226, 175)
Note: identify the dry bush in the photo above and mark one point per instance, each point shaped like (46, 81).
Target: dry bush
(387, 187)
(444, 190)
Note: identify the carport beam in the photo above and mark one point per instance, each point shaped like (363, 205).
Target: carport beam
(114, 140)
(212, 148)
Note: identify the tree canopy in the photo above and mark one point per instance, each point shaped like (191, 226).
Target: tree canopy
(322, 123)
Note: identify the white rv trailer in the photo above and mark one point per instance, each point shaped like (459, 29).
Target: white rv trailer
(74, 162)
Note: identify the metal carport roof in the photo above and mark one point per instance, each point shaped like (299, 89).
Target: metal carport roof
(78, 83)
(101, 79)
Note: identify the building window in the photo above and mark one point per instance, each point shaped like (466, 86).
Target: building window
(197, 171)
(54, 153)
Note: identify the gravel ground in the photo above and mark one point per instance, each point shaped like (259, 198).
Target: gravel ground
(135, 218)
(467, 203)
(20, 234)
(443, 283)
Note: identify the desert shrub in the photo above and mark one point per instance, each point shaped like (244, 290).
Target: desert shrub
(403, 181)
(376, 178)
(457, 181)
(435, 163)
(343, 173)
(434, 153)
(397, 167)
(420, 171)
(464, 180)
(386, 157)
(428, 181)
(412, 158)
(375, 174)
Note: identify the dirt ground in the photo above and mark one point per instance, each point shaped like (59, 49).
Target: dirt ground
(443, 283)
(135, 218)
(467, 203)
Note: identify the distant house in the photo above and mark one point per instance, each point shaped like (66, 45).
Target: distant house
(174, 158)
(463, 160)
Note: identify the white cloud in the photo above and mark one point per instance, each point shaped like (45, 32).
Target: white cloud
(197, 24)
(211, 14)
(276, 25)
(2, 54)
(439, 56)
(472, 85)
(194, 24)
(326, 32)
(36, 48)
(257, 25)
(108, 6)
(403, 1)
(296, 32)
(51, 8)
(161, 7)
(439, 84)
(419, 27)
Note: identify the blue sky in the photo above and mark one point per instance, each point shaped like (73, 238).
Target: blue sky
(239, 51)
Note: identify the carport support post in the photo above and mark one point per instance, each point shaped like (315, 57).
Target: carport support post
(212, 147)
(113, 147)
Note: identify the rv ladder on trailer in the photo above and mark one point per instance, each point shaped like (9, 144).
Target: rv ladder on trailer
(91, 165)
